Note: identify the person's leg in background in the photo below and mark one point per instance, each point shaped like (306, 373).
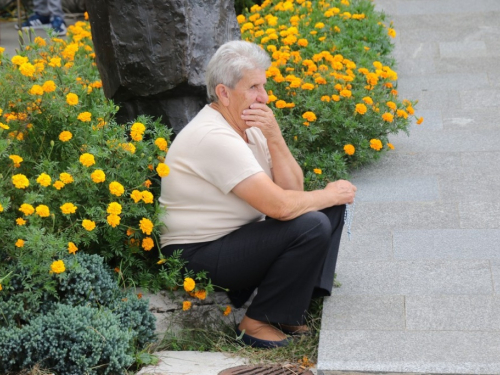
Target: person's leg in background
(56, 16)
(48, 14)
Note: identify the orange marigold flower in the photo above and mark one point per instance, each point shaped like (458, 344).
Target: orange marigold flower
(114, 208)
(148, 243)
(136, 195)
(317, 171)
(59, 184)
(88, 225)
(42, 210)
(113, 220)
(66, 178)
(87, 159)
(19, 243)
(26, 209)
(390, 145)
(146, 226)
(410, 110)
(201, 294)
(349, 149)
(346, 93)
(391, 105)
(376, 144)
(280, 104)
(19, 221)
(420, 120)
(402, 113)
(161, 143)
(49, 86)
(186, 305)
(302, 42)
(388, 117)
(361, 109)
(335, 98)
(147, 184)
(36, 90)
(147, 197)
(309, 116)
(227, 311)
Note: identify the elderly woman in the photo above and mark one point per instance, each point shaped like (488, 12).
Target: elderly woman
(230, 168)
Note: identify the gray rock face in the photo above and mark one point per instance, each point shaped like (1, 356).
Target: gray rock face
(152, 54)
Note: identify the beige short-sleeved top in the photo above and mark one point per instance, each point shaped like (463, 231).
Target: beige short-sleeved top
(207, 160)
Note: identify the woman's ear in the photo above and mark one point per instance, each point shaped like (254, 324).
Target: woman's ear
(223, 94)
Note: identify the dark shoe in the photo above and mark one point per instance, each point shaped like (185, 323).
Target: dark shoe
(258, 343)
(59, 26)
(36, 21)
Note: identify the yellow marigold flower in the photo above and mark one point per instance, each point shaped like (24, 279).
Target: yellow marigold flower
(361, 108)
(349, 149)
(58, 185)
(40, 41)
(376, 144)
(345, 93)
(309, 116)
(128, 147)
(20, 221)
(391, 105)
(307, 86)
(302, 42)
(65, 136)
(114, 208)
(372, 79)
(57, 266)
(85, 116)
(146, 226)
(402, 113)
(68, 208)
(36, 90)
(271, 99)
(87, 159)
(147, 197)
(20, 181)
(66, 178)
(98, 176)
(42, 210)
(280, 104)
(163, 170)
(148, 243)
(189, 284)
(88, 224)
(186, 305)
(19, 243)
(55, 62)
(1, 208)
(116, 188)
(241, 18)
(410, 110)
(136, 195)
(19, 60)
(325, 98)
(319, 25)
(16, 159)
(72, 249)
(113, 220)
(388, 117)
(26, 209)
(161, 143)
(227, 311)
(335, 98)
(317, 171)
(27, 70)
(161, 261)
(1, 53)
(391, 32)
(72, 99)
(3, 126)
(49, 86)
(420, 120)
(390, 145)
(368, 100)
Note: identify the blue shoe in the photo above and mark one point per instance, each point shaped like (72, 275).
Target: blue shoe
(58, 25)
(259, 343)
(36, 21)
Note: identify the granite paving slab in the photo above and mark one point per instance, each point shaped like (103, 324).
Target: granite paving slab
(479, 214)
(365, 245)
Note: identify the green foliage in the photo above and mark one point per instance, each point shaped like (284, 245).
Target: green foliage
(330, 82)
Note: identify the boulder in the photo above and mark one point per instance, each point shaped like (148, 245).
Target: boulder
(152, 54)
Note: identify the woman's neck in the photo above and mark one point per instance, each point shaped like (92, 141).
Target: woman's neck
(230, 119)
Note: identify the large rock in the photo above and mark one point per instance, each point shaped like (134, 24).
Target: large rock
(152, 54)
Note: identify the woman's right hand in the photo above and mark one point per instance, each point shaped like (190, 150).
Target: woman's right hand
(342, 191)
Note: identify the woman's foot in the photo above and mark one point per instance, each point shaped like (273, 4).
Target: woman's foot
(261, 330)
(294, 330)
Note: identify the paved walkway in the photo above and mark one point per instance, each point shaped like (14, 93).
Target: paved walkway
(421, 275)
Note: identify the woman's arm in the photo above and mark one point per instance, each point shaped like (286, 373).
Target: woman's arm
(287, 173)
(269, 198)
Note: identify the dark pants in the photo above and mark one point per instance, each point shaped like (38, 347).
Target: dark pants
(288, 261)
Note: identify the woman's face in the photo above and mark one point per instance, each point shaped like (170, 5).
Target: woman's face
(250, 89)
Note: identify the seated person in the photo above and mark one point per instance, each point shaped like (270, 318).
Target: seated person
(230, 168)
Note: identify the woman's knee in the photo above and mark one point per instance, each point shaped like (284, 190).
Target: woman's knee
(315, 225)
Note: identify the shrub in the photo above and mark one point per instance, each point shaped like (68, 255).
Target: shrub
(331, 83)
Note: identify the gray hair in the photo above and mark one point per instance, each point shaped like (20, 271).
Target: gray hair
(229, 63)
